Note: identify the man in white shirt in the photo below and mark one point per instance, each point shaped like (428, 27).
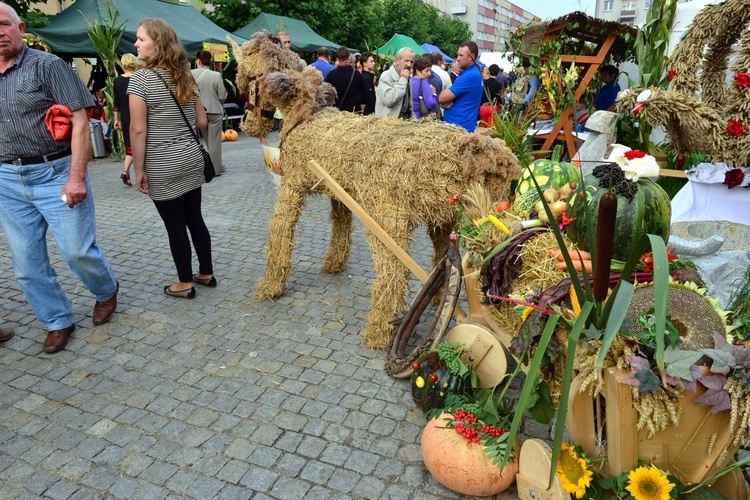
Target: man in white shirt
(437, 69)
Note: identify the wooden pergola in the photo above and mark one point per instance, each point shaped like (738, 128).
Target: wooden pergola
(602, 35)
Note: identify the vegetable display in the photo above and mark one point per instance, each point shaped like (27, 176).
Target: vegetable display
(643, 207)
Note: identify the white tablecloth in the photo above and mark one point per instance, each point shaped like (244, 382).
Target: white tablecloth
(711, 201)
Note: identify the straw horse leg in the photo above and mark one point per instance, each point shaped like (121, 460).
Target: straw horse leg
(388, 291)
(341, 238)
(440, 236)
(281, 242)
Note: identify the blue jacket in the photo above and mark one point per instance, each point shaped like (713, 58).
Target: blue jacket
(468, 89)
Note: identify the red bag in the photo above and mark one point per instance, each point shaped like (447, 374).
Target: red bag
(58, 122)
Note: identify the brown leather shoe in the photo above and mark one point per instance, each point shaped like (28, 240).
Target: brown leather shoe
(103, 310)
(6, 334)
(57, 339)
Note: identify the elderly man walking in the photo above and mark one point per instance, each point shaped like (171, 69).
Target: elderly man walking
(393, 93)
(43, 183)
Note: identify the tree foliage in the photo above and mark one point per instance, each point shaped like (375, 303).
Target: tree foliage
(34, 18)
(364, 24)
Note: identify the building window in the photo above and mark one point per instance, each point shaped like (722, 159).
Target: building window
(609, 5)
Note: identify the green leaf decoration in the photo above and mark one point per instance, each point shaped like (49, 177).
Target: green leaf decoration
(649, 381)
(678, 362)
(723, 361)
(543, 409)
(530, 383)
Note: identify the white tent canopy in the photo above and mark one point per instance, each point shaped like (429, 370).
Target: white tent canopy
(499, 58)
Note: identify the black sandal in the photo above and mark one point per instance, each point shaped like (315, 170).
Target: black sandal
(125, 178)
(182, 294)
(205, 281)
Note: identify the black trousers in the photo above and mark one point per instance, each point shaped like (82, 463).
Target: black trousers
(179, 216)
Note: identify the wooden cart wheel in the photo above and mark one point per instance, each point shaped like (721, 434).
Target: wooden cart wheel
(446, 276)
(533, 473)
(484, 353)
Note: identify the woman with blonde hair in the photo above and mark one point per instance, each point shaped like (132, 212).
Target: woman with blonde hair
(129, 64)
(168, 161)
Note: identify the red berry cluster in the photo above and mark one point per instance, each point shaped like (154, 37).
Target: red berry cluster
(464, 416)
(470, 433)
(492, 431)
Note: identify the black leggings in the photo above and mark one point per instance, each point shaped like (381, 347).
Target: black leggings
(178, 214)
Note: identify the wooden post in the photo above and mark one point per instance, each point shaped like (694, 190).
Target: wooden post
(622, 420)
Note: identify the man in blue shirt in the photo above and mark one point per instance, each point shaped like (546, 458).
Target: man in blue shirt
(461, 101)
(606, 99)
(323, 64)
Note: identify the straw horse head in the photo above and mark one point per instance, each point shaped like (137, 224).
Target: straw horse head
(700, 112)
(401, 173)
(261, 55)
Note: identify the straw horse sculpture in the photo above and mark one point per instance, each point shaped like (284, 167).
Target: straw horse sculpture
(400, 172)
(700, 112)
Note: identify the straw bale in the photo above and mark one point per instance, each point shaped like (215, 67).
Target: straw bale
(400, 172)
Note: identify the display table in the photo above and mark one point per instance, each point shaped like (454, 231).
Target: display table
(705, 197)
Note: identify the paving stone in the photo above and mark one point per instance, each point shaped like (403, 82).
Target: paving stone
(258, 478)
(264, 456)
(205, 487)
(61, 490)
(336, 454)
(287, 487)
(344, 481)
(317, 472)
(181, 481)
(233, 471)
(291, 464)
(159, 472)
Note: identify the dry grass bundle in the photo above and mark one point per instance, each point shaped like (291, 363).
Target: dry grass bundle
(400, 172)
(698, 109)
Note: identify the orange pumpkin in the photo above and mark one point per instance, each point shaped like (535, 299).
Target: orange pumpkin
(223, 136)
(231, 135)
(460, 465)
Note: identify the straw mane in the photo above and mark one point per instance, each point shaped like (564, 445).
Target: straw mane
(697, 110)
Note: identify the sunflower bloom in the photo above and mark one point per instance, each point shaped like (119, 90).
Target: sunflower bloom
(573, 471)
(649, 483)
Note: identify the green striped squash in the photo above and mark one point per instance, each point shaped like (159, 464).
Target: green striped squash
(648, 213)
(548, 174)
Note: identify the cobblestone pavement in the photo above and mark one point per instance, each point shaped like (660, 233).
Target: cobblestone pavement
(223, 396)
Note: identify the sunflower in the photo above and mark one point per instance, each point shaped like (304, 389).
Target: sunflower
(573, 471)
(649, 483)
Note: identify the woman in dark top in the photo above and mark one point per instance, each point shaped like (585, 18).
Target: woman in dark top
(129, 64)
(348, 82)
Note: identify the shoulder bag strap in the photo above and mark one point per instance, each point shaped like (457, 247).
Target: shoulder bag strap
(341, 102)
(192, 130)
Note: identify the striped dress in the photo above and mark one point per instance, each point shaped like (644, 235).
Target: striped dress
(173, 163)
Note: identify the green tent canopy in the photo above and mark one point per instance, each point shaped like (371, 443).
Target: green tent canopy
(396, 43)
(66, 33)
(304, 39)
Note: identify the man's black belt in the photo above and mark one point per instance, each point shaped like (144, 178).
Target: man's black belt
(33, 160)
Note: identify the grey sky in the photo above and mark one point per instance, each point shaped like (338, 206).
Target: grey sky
(555, 8)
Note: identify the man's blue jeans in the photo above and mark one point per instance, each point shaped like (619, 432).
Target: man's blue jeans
(29, 204)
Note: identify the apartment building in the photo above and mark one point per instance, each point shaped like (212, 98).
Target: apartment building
(624, 11)
(491, 21)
